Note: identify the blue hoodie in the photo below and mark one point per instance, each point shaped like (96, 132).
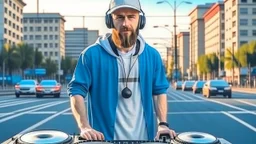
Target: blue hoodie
(96, 75)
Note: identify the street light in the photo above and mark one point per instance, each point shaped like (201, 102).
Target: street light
(174, 7)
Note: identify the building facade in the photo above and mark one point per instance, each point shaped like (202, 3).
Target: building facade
(197, 36)
(45, 31)
(11, 27)
(214, 37)
(183, 55)
(78, 39)
(240, 28)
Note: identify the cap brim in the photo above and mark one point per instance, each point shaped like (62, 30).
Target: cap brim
(122, 6)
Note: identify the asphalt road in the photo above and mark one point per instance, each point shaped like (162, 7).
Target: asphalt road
(231, 119)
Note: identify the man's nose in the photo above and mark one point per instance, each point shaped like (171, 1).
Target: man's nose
(125, 21)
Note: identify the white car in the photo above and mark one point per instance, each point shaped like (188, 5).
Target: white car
(25, 87)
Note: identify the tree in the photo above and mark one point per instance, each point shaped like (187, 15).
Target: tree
(232, 61)
(213, 64)
(26, 55)
(11, 57)
(38, 58)
(203, 64)
(50, 66)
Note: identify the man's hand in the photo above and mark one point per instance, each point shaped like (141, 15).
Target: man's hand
(165, 130)
(91, 134)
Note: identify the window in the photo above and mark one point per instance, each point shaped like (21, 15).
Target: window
(50, 53)
(45, 37)
(234, 34)
(5, 10)
(56, 37)
(253, 21)
(5, 30)
(25, 37)
(242, 42)
(25, 29)
(45, 45)
(243, 22)
(25, 20)
(38, 37)
(243, 32)
(253, 10)
(233, 2)
(38, 29)
(234, 13)
(56, 28)
(253, 32)
(56, 53)
(45, 54)
(31, 29)
(244, 1)
(31, 21)
(254, 1)
(45, 28)
(243, 11)
(31, 37)
(56, 45)
(5, 20)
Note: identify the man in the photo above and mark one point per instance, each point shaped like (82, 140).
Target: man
(123, 78)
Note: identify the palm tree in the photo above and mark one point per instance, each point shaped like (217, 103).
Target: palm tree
(50, 66)
(26, 56)
(38, 58)
(232, 61)
(11, 57)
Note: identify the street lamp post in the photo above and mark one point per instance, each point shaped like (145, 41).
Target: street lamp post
(174, 7)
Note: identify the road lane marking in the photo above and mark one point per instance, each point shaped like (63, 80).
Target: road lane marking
(19, 114)
(8, 100)
(177, 96)
(43, 121)
(225, 104)
(17, 103)
(240, 121)
(248, 103)
(27, 108)
(184, 101)
(234, 107)
(43, 112)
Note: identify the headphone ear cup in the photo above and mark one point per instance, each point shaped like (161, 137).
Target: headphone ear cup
(142, 21)
(109, 21)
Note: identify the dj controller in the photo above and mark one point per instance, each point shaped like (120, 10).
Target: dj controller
(59, 137)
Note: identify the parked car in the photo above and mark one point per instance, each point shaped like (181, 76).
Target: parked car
(26, 87)
(178, 85)
(187, 85)
(48, 87)
(217, 87)
(198, 86)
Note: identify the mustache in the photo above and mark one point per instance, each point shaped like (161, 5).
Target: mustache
(125, 28)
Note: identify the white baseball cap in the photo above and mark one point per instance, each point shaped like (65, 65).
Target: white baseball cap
(117, 4)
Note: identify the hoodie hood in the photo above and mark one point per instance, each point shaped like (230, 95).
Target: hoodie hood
(104, 43)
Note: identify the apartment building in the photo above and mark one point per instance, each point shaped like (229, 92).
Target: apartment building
(78, 39)
(183, 53)
(197, 36)
(214, 19)
(11, 27)
(240, 28)
(45, 31)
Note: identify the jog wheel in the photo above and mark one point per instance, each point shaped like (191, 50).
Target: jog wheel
(45, 137)
(195, 138)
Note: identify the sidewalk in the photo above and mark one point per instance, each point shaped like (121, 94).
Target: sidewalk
(244, 90)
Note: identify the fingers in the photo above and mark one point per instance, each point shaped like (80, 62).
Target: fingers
(170, 132)
(91, 134)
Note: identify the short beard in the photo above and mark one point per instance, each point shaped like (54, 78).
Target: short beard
(125, 41)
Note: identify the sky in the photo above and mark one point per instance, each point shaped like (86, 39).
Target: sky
(94, 12)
